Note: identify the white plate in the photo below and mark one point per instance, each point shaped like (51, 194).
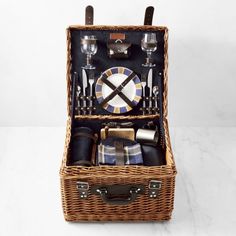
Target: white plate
(116, 76)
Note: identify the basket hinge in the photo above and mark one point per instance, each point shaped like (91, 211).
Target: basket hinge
(154, 188)
(83, 188)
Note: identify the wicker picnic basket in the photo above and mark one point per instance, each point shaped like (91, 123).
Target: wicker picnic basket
(79, 201)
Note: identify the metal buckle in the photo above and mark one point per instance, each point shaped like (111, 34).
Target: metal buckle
(83, 188)
(154, 187)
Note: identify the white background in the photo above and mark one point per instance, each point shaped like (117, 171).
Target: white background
(202, 50)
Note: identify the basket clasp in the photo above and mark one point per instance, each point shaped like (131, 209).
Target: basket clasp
(154, 188)
(83, 188)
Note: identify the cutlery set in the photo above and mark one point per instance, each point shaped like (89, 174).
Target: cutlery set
(124, 95)
(87, 96)
(152, 98)
(89, 48)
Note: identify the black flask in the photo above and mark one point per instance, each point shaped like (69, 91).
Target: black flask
(82, 146)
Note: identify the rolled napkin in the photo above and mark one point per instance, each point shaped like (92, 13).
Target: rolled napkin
(119, 151)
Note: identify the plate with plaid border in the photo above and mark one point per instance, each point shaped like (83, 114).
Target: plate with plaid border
(132, 90)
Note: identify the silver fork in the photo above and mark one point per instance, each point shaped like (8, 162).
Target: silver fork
(91, 82)
(144, 83)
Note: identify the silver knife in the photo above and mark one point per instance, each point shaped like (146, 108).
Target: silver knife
(85, 85)
(149, 84)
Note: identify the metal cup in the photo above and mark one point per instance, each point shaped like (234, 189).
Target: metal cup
(147, 136)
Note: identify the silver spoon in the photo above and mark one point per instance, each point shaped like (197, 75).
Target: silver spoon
(78, 101)
(155, 91)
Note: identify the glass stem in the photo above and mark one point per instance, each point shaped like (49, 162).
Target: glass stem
(89, 59)
(149, 59)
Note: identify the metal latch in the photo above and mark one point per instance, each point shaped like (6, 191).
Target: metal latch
(83, 188)
(154, 187)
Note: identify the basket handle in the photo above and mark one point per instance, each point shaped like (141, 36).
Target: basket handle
(118, 201)
(89, 12)
(118, 194)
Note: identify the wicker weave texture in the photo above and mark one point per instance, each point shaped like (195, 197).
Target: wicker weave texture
(93, 208)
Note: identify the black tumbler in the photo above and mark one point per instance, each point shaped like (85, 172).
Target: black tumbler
(82, 146)
(153, 156)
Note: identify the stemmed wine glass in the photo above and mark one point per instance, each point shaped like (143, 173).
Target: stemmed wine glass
(149, 45)
(89, 47)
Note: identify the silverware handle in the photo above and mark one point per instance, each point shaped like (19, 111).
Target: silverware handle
(90, 106)
(91, 90)
(150, 102)
(156, 104)
(84, 105)
(150, 105)
(78, 103)
(91, 99)
(144, 101)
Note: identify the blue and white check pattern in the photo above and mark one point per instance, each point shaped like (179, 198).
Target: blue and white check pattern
(132, 155)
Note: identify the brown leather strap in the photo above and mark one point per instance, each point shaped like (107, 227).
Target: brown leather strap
(113, 124)
(93, 158)
(123, 96)
(106, 131)
(89, 15)
(118, 89)
(148, 15)
(115, 36)
(120, 157)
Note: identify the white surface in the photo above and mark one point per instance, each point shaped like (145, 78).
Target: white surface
(30, 201)
(202, 50)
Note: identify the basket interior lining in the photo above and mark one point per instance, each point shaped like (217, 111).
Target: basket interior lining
(102, 62)
(139, 122)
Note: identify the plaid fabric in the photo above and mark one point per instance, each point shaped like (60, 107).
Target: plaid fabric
(132, 154)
